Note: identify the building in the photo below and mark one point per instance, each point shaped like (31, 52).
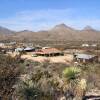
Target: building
(85, 58)
(48, 52)
(12, 43)
(45, 47)
(85, 45)
(2, 44)
(94, 45)
(29, 49)
(19, 49)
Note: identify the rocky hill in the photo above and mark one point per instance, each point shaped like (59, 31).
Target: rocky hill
(58, 32)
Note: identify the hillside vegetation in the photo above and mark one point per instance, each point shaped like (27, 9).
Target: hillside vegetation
(30, 80)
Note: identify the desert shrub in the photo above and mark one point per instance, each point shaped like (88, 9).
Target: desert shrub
(72, 73)
(43, 83)
(29, 66)
(48, 81)
(91, 72)
(9, 72)
(76, 85)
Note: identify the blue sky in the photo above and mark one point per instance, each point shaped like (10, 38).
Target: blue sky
(44, 14)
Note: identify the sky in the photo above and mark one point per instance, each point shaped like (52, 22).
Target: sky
(44, 14)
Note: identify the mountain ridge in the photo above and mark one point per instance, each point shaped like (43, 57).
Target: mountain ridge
(58, 32)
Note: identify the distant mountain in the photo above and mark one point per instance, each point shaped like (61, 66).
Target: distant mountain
(62, 27)
(88, 28)
(88, 34)
(5, 31)
(62, 31)
(58, 32)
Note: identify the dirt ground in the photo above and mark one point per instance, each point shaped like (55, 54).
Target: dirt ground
(58, 59)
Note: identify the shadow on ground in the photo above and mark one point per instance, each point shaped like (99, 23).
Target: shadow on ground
(92, 97)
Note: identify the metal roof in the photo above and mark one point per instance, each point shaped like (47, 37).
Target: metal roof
(84, 56)
(28, 48)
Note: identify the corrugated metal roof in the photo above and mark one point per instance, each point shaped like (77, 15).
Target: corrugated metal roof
(28, 48)
(84, 56)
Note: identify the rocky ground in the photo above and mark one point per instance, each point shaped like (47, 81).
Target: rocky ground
(93, 95)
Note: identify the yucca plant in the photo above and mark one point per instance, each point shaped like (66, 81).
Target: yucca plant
(72, 75)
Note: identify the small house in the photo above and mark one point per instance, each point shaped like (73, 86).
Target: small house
(94, 45)
(85, 45)
(85, 58)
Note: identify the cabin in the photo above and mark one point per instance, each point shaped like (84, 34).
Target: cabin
(49, 52)
(85, 58)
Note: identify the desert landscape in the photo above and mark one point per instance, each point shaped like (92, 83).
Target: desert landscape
(49, 50)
